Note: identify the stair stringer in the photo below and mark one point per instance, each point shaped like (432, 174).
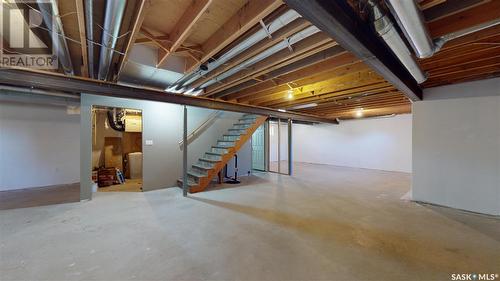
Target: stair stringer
(205, 181)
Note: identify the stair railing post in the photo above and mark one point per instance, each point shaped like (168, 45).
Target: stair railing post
(185, 185)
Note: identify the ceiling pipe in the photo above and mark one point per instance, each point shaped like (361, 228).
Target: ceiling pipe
(50, 14)
(411, 21)
(309, 31)
(89, 23)
(386, 30)
(261, 34)
(111, 29)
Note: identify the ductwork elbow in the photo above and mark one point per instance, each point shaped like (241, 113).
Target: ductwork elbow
(411, 21)
(386, 30)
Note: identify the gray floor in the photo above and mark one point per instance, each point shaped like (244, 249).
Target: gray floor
(39, 196)
(326, 222)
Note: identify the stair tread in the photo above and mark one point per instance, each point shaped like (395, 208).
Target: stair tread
(214, 153)
(221, 147)
(195, 174)
(209, 160)
(202, 167)
(190, 183)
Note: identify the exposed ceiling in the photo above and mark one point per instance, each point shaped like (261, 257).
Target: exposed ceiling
(261, 53)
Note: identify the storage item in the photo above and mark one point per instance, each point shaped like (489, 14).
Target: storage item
(113, 153)
(107, 177)
(135, 165)
(133, 123)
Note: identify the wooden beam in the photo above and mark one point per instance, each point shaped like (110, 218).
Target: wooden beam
(283, 33)
(80, 12)
(465, 19)
(338, 19)
(301, 83)
(335, 66)
(152, 39)
(359, 73)
(139, 19)
(249, 15)
(368, 89)
(157, 42)
(184, 26)
(449, 8)
(345, 82)
(313, 42)
(426, 4)
(57, 82)
(272, 76)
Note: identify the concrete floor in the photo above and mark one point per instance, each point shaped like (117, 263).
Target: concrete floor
(325, 222)
(130, 185)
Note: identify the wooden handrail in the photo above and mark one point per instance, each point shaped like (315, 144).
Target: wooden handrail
(202, 126)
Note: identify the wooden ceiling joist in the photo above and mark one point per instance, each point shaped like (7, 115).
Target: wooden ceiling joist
(279, 83)
(183, 28)
(350, 78)
(273, 77)
(311, 97)
(449, 8)
(465, 19)
(338, 19)
(248, 16)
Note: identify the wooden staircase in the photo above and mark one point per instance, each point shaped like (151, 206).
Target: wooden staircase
(201, 174)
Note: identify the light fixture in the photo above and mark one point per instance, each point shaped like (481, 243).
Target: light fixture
(359, 113)
(302, 106)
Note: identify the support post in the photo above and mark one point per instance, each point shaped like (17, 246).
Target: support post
(185, 185)
(279, 146)
(290, 151)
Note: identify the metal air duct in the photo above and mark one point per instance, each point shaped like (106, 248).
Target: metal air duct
(50, 14)
(411, 21)
(111, 29)
(89, 23)
(386, 30)
(261, 34)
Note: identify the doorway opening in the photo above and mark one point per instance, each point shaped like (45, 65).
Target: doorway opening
(279, 135)
(116, 149)
(259, 149)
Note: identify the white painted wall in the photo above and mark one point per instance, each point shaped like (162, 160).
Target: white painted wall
(382, 144)
(456, 146)
(162, 124)
(39, 145)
